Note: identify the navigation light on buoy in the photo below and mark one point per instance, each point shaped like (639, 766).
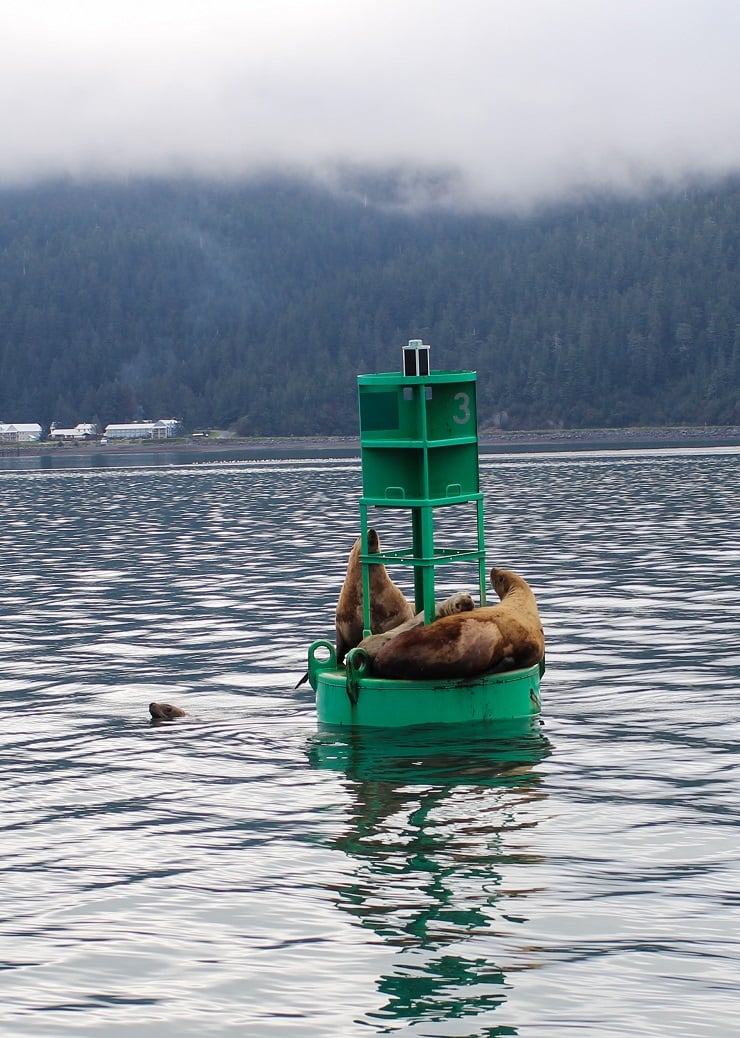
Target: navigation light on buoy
(415, 358)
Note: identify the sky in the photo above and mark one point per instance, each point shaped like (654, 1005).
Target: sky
(520, 101)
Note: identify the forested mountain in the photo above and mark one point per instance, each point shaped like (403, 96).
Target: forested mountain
(255, 305)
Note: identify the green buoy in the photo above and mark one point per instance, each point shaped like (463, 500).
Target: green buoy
(419, 448)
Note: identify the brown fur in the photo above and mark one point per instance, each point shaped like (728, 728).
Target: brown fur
(166, 712)
(459, 603)
(470, 643)
(388, 605)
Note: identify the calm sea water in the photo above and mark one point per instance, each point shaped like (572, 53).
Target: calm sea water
(240, 872)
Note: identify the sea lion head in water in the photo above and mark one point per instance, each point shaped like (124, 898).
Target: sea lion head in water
(166, 712)
(470, 643)
(388, 604)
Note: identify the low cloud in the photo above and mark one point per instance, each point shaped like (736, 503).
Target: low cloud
(518, 100)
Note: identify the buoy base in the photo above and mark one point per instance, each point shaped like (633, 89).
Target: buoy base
(348, 696)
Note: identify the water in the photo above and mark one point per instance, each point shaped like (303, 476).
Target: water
(239, 872)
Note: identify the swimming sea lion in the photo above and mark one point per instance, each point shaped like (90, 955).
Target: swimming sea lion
(470, 643)
(388, 604)
(166, 712)
(461, 602)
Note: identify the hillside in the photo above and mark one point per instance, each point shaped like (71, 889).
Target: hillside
(254, 305)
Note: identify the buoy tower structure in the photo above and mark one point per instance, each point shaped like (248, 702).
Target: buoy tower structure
(419, 454)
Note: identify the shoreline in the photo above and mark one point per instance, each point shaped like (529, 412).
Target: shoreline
(490, 441)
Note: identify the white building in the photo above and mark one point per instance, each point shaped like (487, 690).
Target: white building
(160, 430)
(20, 432)
(82, 431)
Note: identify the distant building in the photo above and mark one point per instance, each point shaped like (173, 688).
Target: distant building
(82, 431)
(20, 432)
(160, 430)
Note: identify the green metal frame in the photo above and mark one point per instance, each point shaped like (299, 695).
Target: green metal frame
(419, 443)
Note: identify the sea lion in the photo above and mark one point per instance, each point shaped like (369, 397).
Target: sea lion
(388, 604)
(166, 712)
(470, 643)
(461, 602)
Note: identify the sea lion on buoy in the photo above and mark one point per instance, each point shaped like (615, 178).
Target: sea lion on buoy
(166, 712)
(461, 602)
(470, 643)
(388, 604)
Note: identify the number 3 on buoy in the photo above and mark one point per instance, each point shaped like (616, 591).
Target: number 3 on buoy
(464, 406)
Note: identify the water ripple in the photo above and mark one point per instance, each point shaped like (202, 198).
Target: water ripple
(241, 872)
